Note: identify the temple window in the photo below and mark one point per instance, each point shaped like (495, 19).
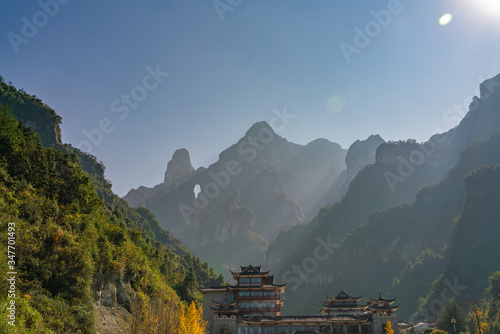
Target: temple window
(255, 330)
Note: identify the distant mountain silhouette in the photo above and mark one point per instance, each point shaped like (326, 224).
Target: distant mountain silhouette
(389, 241)
(380, 214)
(360, 154)
(258, 187)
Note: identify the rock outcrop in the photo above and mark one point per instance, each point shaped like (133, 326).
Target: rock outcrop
(113, 290)
(33, 112)
(179, 169)
(114, 298)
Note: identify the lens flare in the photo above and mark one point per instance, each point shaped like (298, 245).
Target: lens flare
(445, 19)
(335, 104)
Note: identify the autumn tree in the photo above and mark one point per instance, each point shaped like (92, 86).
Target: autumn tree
(155, 316)
(388, 328)
(191, 321)
(478, 319)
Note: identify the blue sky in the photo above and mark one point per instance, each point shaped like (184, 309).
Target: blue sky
(414, 77)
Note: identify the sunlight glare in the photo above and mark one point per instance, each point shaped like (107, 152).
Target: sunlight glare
(445, 19)
(490, 7)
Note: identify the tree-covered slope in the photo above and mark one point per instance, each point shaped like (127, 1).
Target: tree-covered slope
(474, 250)
(79, 249)
(402, 250)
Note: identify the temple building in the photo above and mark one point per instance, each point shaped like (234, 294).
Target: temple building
(382, 306)
(342, 304)
(253, 306)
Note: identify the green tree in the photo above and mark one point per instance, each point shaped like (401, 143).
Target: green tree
(451, 312)
(105, 255)
(439, 331)
(494, 303)
(188, 289)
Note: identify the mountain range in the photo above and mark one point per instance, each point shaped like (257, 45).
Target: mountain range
(380, 216)
(416, 221)
(258, 187)
(397, 215)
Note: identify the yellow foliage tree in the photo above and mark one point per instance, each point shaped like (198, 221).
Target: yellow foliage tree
(155, 316)
(388, 328)
(191, 321)
(480, 318)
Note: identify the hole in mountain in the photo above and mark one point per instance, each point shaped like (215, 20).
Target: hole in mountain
(197, 190)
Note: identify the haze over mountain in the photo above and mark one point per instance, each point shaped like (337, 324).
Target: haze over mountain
(394, 243)
(264, 198)
(412, 219)
(338, 144)
(260, 186)
(360, 154)
(226, 72)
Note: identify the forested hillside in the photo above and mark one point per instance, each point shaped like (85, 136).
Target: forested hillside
(80, 251)
(33, 112)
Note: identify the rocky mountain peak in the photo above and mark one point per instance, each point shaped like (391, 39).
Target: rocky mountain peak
(259, 127)
(490, 87)
(362, 153)
(322, 143)
(179, 169)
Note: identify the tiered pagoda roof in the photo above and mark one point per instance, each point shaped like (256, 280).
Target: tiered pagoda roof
(250, 271)
(225, 303)
(380, 300)
(224, 307)
(381, 305)
(267, 285)
(342, 296)
(350, 318)
(342, 303)
(218, 288)
(257, 281)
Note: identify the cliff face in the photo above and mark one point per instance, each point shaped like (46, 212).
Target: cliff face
(33, 112)
(114, 298)
(360, 154)
(179, 170)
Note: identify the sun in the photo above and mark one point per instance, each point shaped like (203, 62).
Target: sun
(490, 7)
